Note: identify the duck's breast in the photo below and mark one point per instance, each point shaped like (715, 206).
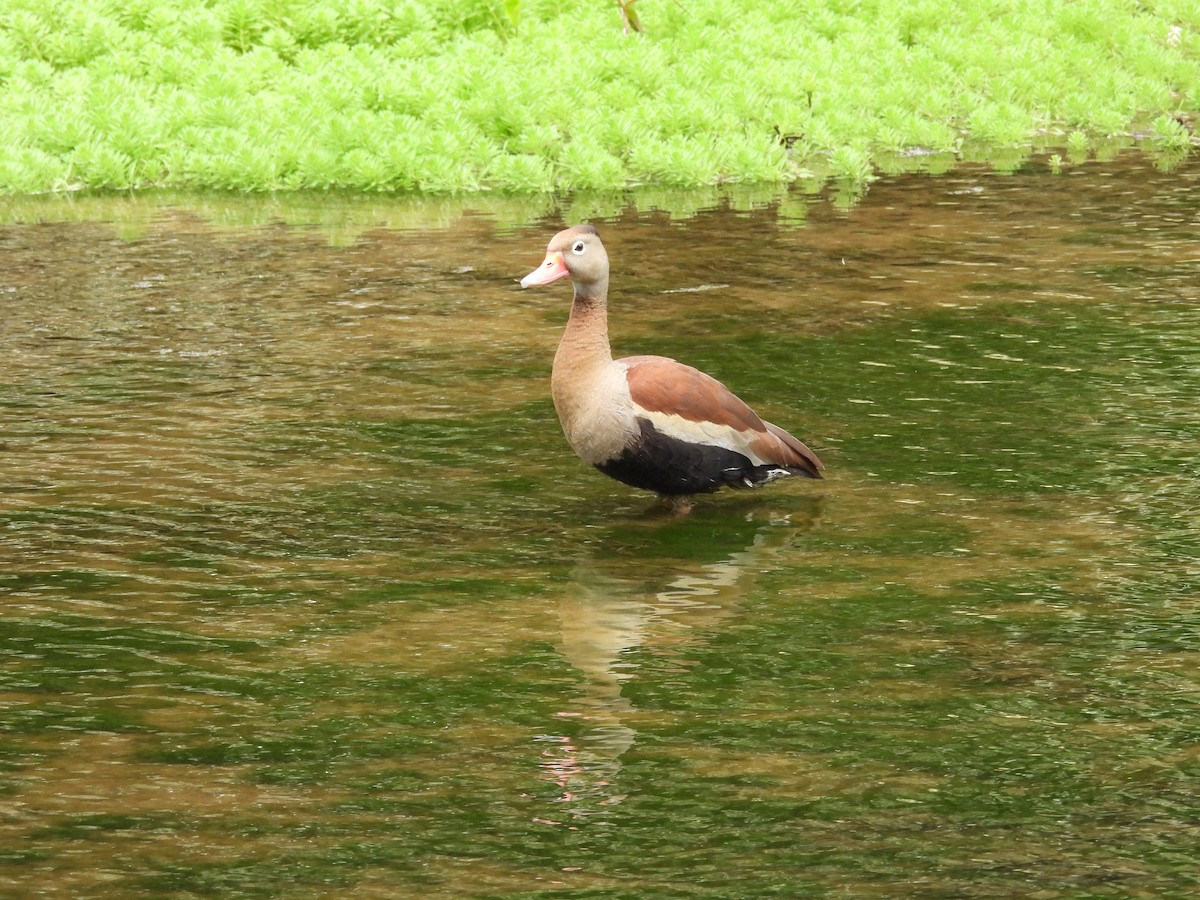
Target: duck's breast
(596, 411)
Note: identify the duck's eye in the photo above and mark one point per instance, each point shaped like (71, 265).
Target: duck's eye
(578, 247)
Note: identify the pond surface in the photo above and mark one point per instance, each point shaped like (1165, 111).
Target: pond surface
(305, 595)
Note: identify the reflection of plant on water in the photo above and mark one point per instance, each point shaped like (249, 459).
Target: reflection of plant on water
(605, 614)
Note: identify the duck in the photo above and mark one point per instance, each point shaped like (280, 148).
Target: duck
(651, 422)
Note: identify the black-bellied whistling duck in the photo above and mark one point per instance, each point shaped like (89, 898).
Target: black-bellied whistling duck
(649, 421)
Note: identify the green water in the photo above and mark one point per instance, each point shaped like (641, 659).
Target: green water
(304, 594)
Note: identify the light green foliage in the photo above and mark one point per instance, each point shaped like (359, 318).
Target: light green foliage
(1171, 132)
(1078, 145)
(464, 95)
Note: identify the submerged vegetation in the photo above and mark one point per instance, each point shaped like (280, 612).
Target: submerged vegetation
(466, 95)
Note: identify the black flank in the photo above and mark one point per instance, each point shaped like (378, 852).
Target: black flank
(673, 467)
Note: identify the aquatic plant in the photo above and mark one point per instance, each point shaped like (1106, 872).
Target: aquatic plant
(1170, 131)
(464, 95)
(1078, 146)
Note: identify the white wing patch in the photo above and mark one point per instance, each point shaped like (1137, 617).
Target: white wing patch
(708, 433)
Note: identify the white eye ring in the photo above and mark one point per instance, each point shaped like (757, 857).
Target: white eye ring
(578, 247)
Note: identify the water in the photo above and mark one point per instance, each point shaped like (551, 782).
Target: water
(305, 595)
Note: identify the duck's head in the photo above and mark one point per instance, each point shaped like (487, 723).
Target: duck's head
(575, 253)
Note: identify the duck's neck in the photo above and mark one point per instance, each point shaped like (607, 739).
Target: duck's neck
(584, 350)
(591, 394)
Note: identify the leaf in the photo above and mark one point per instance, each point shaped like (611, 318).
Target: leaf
(512, 9)
(629, 15)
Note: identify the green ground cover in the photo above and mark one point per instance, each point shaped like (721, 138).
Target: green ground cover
(542, 95)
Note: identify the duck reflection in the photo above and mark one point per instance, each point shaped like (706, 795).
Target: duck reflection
(648, 585)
